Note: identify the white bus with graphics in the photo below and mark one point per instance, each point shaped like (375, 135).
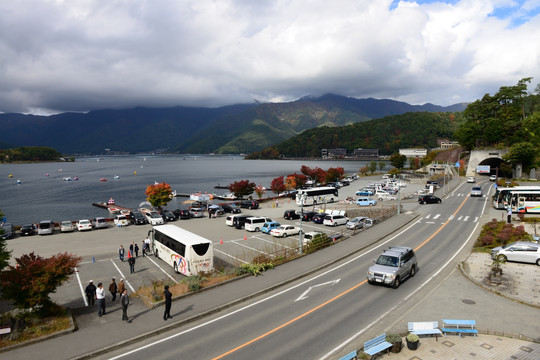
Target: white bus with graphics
(318, 195)
(186, 252)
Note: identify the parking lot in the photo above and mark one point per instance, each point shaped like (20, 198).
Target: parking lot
(99, 248)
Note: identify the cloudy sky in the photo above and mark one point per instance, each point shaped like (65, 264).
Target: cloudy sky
(78, 55)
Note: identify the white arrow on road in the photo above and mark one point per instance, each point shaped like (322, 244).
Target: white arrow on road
(303, 296)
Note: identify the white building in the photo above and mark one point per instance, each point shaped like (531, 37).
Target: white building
(413, 152)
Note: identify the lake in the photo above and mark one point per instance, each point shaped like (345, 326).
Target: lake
(42, 197)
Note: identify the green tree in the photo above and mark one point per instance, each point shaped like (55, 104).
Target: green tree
(242, 188)
(5, 254)
(382, 164)
(372, 167)
(398, 161)
(523, 152)
(29, 284)
(158, 195)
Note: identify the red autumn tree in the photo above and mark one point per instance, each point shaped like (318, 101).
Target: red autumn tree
(29, 283)
(158, 194)
(260, 190)
(334, 174)
(241, 188)
(299, 180)
(277, 185)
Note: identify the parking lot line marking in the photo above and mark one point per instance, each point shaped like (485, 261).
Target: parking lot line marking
(273, 243)
(249, 247)
(90, 262)
(123, 277)
(229, 255)
(160, 268)
(80, 287)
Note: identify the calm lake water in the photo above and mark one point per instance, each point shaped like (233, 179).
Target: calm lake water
(42, 197)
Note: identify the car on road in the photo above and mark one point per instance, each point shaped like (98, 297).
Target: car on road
(429, 199)
(319, 218)
(364, 192)
(8, 231)
(167, 215)
(493, 178)
(196, 212)
(393, 266)
(231, 208)
(360, 222)
(268, 226)
(471, 179)
(291, 215)
(28, 229)
(476, 191)
(366, 201)
(154, 218)
(84, 225)
(308, 216)
(121, 220)
(285, 230)
(182, 214)
(522, 251)
(249, 204)
(100, 223)
(335, 220)
(137, 218)
(66, 226)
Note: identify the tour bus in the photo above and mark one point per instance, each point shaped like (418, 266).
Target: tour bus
(503, 195)
(317, 195)
(186, 252)
(526, 202)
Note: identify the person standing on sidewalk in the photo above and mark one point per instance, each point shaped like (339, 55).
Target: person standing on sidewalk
(100, 296)
(90, 292)
(168, 303)
(113, 288)
(131, 262)
(509, 214)
(124, 300)
(121, 287)
(121, 253)
(147, 243)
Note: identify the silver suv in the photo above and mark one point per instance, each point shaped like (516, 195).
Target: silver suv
(393, 266)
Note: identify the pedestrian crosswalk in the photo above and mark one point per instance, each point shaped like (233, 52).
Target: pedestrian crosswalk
(429, 218)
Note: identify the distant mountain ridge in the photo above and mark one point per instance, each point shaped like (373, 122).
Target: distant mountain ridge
(241, 128)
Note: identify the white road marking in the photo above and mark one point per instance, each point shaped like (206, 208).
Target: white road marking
(430, 222)
(451, 217)
(466, 218)
(272, 242)
(123, 277)
(80, 286)
(160, 268)
(248, 247)
(475, 218)
(229, 255)
(304, 294)
(459, 218)
(436, 216)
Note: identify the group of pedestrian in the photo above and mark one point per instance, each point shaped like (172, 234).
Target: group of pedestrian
(97, 294)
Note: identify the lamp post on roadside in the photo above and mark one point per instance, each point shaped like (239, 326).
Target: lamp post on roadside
(303, 198)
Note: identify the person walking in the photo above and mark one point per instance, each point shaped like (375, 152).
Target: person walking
(131, 248)
(168, 303)
(121, 252)
(124, 300)
(147, 244)
(121, 287)
(136, 250)
(90, 292)
(100, 296)
(143, 246)
(509, 214)
(113, 288)
(131, 262)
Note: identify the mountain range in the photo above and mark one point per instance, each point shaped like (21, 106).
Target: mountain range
(241, 128)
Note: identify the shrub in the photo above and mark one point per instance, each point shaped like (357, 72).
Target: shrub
(393, 338)
(412, 337)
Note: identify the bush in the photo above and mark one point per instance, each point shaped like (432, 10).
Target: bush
(412, 337)
(393, 338)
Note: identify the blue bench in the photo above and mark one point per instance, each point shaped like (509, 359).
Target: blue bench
(376, 345)
(459, 327)
(425, 328)
(349, 356)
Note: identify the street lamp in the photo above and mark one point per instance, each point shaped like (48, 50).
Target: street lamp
(303, 198)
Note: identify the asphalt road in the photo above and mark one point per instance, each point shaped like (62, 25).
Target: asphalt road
(316, 316)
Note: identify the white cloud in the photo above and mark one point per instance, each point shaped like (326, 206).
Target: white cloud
(82, 55)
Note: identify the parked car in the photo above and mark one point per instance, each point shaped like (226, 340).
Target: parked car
(66, 226)
(335, 220)
(285, 230)
(268, 226)
(383, 195)
(196, 212)
(364, 192)
(319, 218)
(121, 220)
(84, 225)
(429, 199)
(216, 210)
(521, 251)
(100, 223)
(240, 220)
(476, 191)
(249, 204)
(137, 218)
(308, 216)
(255, 223)
(231, 208)
(168, 215)
(359, 222)
(493, 178)
(182, 214)
(432, 182)
(8, 231)
(471, 179)
(154, 218)
(230, 220)
(28, 229)
(393, 266)
(45, 227)
(308, 237)
(291, 215)
(365, 201)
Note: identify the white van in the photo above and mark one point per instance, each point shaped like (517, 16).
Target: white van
(229, 221)
(45, 227)
(255, 223)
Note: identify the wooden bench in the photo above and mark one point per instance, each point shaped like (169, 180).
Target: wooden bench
(425, 328)
(350, 356)
(377, 344)
(459, 327)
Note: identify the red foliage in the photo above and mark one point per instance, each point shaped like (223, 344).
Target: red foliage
(277, 185)
(158, 194)
(241, 188)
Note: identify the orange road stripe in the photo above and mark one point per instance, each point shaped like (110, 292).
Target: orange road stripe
(325, 303)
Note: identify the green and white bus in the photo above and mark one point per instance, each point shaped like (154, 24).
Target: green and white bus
(188, 253)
